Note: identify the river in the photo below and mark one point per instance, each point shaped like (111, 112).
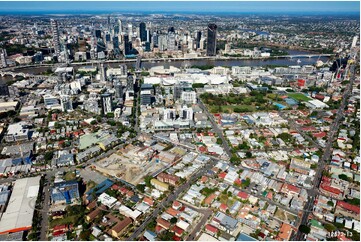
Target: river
(182, 63)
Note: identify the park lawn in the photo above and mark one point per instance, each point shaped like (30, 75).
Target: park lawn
(231, 108)
(298, 96)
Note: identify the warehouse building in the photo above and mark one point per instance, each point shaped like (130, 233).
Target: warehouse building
(18, 215)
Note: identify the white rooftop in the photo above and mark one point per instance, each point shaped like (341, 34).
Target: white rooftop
(20, 210)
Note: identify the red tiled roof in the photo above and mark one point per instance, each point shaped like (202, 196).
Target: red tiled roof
(148, 201)
(211, 228)
(319, 134)
(223, 207)
(243, 195)
(60, 227)
(354, 167)
(350, 207)
(291, 188)
(158, 228)
(58, 233)
(176, 204)
(238, 181)
(222, 175)
(172, 212)
(210, 199)
(177, 230)
(176, 238)
(164, 223)
(123, 190)
(115, 187)
(204, 179)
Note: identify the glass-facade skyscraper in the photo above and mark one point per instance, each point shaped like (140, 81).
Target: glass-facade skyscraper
(142, 32)
(212, 40)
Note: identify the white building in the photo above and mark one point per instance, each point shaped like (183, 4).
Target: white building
(189, 97)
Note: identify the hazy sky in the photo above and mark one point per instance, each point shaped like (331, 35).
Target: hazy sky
(220, 6)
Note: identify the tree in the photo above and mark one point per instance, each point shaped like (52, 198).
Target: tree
(304, 229)
(219, 141)
(84, 235)
(141, 187)
(147, 180)
(246, 183)
(173, 220)
(48, 155)
(285, 137)
(110, 115)
(248, 154)
(235, 159)
(330, 203)
(330, 227)
(343, 177)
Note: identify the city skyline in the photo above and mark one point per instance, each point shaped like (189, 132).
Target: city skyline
(292, 7)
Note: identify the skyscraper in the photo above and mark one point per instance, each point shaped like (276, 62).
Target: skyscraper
(108, 22)
(198, 38)
(171, 41)
(211, 40)
(126, 43)
(107, 103)
(118, 89)
(142, 32)
(98, 33)
(56, 41)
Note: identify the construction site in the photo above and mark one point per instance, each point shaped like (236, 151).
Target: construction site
(130, 164)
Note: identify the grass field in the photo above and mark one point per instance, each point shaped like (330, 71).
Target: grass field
(232, 108)
(299, 97)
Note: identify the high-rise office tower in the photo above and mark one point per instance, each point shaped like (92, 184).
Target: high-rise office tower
(107, 103)
(107, 37)
(118, 89)
(120, 26)
(3, 55)
(56, 41)
(171, 41)
(130, 31)
(66, 103)
(154, 39)
(198, 38)
(211, 40)
(147, 46)
(142, 32)
(108, 23)
(98, 33)
(126, 45)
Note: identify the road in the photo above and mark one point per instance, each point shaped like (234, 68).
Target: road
(172, 197)
(327, 153)
(45, 210)
(299, 130)
(215, 128)
(206, 214)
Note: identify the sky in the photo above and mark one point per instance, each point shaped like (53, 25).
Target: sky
(351, 7)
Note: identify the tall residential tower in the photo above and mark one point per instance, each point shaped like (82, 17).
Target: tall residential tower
(56, 41)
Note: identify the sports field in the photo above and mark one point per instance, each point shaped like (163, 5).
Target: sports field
(299, 97)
